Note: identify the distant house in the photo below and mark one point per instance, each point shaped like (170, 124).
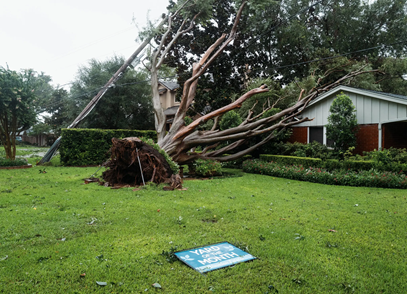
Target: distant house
(168, 90)
(382, 118)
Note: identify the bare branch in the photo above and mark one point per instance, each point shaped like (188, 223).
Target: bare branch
(250, 113)
(300, 96)
(179, 33)
(236, 104)
(199, 69)
(215, 123)
(210, 147)
(278, 100)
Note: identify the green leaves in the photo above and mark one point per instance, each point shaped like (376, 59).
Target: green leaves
(230, 120)
(17, 104)
(342, 123)
(126, 105)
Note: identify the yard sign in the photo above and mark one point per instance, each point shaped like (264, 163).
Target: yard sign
(212, 257)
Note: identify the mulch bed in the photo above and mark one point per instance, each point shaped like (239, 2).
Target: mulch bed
(16, 167)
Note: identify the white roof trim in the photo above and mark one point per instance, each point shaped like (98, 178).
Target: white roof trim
(360, 92)
(395, 120)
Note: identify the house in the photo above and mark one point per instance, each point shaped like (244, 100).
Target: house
(167, 91)
(382, 118)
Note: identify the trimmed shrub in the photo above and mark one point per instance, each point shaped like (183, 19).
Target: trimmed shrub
(207, 168)
(332, 164)
(305, 161)
(91, 146)
(357, 165)
(314, 149)
(372, 178)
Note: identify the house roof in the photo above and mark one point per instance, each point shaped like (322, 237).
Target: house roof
(171, 110)
(375, 94)
(169, 85)
(372, 107)
(388, 94)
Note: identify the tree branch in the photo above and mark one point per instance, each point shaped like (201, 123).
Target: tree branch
(236, 104)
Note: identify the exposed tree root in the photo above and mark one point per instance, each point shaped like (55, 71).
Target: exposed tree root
(124, 166)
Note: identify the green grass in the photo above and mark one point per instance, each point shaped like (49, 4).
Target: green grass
(53, 228)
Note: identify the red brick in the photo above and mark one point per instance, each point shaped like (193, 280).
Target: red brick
(367, 138)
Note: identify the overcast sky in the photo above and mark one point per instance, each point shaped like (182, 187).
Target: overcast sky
(57, 36)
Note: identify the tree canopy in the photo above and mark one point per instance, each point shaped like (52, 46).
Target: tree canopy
(127, 104)
(289, 40)
(18, 94)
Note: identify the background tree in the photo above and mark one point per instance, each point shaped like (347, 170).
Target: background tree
(57, 110)
(17, 105)
(40, 128)
(342, 124)
(280, 39)
(127, 104)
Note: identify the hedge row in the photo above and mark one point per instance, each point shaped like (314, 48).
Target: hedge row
(362, 178)
(290, 160)
(91, 146)
(334, 164)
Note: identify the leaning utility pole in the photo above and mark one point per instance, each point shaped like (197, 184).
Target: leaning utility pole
(54, 148)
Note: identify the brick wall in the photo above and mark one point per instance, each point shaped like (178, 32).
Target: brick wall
(300, 134)
(367, 138)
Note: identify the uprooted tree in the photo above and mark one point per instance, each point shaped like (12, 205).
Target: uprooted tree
(222, 145)
(180, 139)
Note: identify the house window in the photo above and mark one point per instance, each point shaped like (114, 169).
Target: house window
(316, 134)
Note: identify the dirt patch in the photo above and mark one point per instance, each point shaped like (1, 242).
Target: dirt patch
(17, 167)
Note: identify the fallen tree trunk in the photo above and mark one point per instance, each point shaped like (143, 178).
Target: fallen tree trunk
(134, 162)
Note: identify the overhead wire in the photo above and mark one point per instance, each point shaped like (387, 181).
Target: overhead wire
(250, 44)
(253, 69)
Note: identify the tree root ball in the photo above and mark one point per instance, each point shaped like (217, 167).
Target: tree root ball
(127, 156)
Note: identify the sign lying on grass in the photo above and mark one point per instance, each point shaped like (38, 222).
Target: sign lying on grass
(212, 257)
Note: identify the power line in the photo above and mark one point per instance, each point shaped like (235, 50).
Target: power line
(254, 69)
(284, 22)
(91, 92)
(339, 55)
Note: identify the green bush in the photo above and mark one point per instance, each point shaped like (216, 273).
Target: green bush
(342, 124)
(392, 159)
(208, 168)
(236, 163)
(91, 146)
(305, 161)
(357, 165)
(16, 162)
(230, 120)
(372, 178)
(314, 149)
(332, 164)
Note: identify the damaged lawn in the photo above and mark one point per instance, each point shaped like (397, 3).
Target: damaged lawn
(58, 234)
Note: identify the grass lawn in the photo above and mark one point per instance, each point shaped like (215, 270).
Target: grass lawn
(54, 228)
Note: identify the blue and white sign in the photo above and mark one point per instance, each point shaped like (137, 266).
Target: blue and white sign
(212, 257)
